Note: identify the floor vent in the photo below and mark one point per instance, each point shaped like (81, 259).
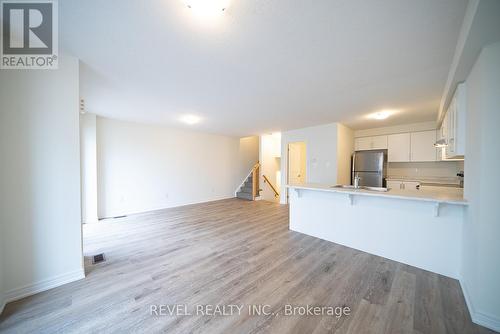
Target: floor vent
(98, 258)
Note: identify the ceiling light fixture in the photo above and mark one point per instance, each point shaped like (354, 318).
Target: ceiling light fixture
(190, 119)
(207, 8)
(380, 115)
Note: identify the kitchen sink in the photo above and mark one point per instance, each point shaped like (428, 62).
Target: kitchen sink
(380, 189)
(343, 186)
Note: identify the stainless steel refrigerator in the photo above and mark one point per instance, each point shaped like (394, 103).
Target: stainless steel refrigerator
(371, 167)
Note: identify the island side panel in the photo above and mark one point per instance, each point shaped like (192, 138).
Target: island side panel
(402, 230)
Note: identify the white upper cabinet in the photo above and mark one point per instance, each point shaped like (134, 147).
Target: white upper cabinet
(453, 126)
(422, 146)
(370, 143)
(439, 150)
(363, 144)
(379, 142)
(398, 147)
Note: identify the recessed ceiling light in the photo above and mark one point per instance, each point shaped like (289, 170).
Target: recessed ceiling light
(380, 115)
(190, 119)
(207, 8)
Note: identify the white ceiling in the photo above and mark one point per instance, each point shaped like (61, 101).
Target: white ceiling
(263, 65)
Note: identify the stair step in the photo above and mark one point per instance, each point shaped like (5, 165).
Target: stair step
(246, 189)
(243, 195)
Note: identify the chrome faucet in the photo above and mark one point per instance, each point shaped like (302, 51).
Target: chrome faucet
(356, 181)
(461, 176)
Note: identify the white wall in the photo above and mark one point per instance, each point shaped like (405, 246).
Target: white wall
(345, 148)
(322, 154)
(270, 164)
(481, 263)
(88, 156)
(145, 167)
(2, 252)
(40, 179)
(248, 155)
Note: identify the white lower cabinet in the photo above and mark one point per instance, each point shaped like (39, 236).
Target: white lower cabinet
(410, 185)
(403, 185)
(394, 184)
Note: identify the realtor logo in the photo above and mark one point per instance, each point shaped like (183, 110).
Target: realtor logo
(29, 34)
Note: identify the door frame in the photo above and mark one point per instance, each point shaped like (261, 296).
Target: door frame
(288, 163)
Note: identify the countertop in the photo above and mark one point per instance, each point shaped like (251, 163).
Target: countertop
(428, 194)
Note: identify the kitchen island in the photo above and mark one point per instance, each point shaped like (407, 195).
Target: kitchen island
(422, 228)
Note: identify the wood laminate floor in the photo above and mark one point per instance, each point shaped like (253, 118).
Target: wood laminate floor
(235, 252)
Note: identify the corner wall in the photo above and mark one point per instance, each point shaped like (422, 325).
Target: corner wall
(345, 149)
(481, 244)
(88, 156)
(323, 160)
(40, 179)
(2, 252)
(145, 167)
(270, 164)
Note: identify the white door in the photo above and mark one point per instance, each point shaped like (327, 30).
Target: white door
(398, 147)
(422, 146)
(297, 163)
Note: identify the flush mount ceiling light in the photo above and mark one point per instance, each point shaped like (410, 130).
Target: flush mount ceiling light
(380, 115)
(190, 119)
(207, 8)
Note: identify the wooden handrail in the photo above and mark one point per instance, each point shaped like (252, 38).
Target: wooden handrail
(255, 180)
(276, 193)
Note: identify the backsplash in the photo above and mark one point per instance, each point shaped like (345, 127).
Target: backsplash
(441, 169)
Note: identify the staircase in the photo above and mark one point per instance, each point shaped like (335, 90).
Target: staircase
(249, 189)
(246, 190)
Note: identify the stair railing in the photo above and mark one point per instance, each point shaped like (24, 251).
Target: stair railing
(266, 180)
(255, 180)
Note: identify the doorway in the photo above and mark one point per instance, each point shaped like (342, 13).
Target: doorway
(297, 163)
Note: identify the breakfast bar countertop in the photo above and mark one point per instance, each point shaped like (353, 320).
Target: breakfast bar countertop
(428, 194)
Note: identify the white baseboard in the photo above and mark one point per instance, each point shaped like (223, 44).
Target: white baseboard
(480, 318)
(148, 210)
(47, 284)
